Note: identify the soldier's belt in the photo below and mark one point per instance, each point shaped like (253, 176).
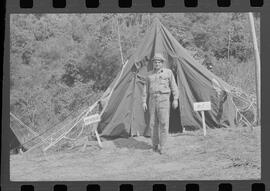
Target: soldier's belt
(159, 93)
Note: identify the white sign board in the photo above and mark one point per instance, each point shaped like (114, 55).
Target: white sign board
(202, 106)
(91, 119)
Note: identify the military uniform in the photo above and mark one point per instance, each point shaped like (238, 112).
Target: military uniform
(159, 85)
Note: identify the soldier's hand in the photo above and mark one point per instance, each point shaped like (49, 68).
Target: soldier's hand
(175, 104)
(144, 106)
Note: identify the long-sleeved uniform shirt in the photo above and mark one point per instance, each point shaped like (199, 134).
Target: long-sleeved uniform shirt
(161, 82)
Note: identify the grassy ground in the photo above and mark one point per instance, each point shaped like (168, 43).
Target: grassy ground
(222, 154)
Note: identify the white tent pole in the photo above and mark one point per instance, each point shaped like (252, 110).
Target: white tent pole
(229, 39)
(257, 67)
(229, 44)
(119, 41)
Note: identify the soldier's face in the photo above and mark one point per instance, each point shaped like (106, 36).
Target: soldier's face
(157, 64)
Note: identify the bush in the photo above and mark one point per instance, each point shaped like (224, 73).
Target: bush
(238, 74)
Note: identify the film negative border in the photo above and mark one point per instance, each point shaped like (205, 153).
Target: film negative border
(98, 6)
(128, 3)
(147, 186)
(136, 5)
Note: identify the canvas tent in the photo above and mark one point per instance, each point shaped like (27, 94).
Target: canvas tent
(124, 115)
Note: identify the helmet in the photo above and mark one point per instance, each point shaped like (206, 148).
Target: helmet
(158, 56)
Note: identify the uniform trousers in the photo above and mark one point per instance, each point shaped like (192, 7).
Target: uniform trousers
(159, 108)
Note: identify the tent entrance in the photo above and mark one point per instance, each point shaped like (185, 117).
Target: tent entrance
(175, 119)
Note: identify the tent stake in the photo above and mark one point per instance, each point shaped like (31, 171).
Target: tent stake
(203, 120)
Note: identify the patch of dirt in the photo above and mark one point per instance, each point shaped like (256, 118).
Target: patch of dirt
(223, 154)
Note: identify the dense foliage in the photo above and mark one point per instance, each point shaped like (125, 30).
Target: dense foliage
(60, 63)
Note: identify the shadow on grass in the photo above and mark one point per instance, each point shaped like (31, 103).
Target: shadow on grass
(131, 143)
(183, 134)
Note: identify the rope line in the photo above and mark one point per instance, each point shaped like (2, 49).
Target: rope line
(23, 124)
(64, 134)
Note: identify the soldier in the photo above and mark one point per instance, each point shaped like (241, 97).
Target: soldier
(159, 85)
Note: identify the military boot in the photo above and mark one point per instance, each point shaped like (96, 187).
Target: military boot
(155, 148)
(161, 151)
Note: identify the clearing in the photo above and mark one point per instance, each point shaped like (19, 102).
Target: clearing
(222, 154)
